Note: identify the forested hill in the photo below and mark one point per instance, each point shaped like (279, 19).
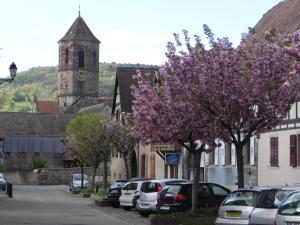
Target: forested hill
(41, 82)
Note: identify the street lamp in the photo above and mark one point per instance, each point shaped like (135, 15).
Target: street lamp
(13, 72)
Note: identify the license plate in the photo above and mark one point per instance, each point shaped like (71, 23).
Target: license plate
(164, 207)
(144, 205)
(128, 194)
(233, 214)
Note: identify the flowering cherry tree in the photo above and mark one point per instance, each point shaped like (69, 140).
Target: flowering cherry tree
(245, 90)
(123, 140)
(170, 114)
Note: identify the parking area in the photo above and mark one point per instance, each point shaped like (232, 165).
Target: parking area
(55, 205)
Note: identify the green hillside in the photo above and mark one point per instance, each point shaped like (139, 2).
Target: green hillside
(42, 83)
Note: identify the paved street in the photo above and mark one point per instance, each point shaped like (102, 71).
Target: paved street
(54, 205)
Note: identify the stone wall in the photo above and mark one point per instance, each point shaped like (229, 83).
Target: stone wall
(21, 161)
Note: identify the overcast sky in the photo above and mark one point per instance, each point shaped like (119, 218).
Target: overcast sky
(131, 31)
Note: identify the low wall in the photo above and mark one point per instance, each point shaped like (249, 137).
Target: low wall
(50, 176)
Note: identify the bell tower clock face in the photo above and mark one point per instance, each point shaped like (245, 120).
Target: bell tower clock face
(81, 76)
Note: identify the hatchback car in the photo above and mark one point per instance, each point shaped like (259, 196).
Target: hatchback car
(2, 182)
(251, 206)
(178, 196)
(75, 184)
(129, 194)
(148, 195)
(114, 192)
(289, 210)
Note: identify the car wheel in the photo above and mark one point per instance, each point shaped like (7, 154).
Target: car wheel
(144, 214)
(127, 208)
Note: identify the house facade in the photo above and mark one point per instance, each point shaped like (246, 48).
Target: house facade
(149, 161)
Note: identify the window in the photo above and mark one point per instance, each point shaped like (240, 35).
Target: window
(216, 156)
(81, 58)
(227, 154)
(274, 151)
(130, 186)
(293, 150)
(94, 57)
(233, 155)
(66, 56)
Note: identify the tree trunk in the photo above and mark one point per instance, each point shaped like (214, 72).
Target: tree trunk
(93, 177)
(81, 170)
(240, 164)
(196, 170)
(126, 167)
(105, 158)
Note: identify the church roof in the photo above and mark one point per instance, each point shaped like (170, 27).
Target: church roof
(79, 31)
(283, 17)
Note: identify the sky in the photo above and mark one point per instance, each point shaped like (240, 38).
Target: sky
(131, 31)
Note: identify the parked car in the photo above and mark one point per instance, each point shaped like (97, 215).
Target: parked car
(148, 195)
(114, 192)
(178, 196)
(2, 182)
(75, 184)
(130, 194)
(252, 206)
(289, 210)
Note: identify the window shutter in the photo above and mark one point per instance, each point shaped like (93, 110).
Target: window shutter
(293, 153)
(252, 150)
(274, 151)
(233, 155)
(216, 156)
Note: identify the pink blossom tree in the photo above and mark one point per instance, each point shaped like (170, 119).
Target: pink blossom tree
(169, 114)
(245, 90)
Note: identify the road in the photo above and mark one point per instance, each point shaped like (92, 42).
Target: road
(55, 205)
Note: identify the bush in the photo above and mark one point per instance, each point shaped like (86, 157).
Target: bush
(87, 190)
(39, 163)
(102, 193)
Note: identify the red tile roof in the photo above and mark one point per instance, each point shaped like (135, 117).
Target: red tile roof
(47, 107)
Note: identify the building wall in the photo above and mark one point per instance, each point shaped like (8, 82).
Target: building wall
(284, 173)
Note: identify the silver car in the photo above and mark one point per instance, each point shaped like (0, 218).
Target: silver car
(289, 210)
(148, 195)
(251, 206)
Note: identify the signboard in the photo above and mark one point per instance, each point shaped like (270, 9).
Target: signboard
(172, 158)
(164, 147)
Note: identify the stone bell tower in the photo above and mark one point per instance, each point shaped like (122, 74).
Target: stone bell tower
(78, 79)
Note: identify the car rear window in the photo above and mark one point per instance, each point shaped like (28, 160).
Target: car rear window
(241, 198)
(117, 183)
(173, 188)
(291, 205)
(270, 199)
(149, 187)
(130, 186)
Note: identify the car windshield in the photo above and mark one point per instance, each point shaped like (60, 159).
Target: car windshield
(291, 205)
(270, 199)
(241, 198)
(78, 177)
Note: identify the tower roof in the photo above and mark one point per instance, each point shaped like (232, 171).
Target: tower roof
(79, 31)
(283, 17)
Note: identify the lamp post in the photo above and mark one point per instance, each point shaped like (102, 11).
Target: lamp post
(13, 72)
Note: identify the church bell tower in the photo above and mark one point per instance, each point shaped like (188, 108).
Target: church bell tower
(78, 80)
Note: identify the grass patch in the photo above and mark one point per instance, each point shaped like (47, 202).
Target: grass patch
(200, 217)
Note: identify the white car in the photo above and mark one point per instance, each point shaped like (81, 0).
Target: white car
(75, 184)
(129, 191)
(2, 182)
